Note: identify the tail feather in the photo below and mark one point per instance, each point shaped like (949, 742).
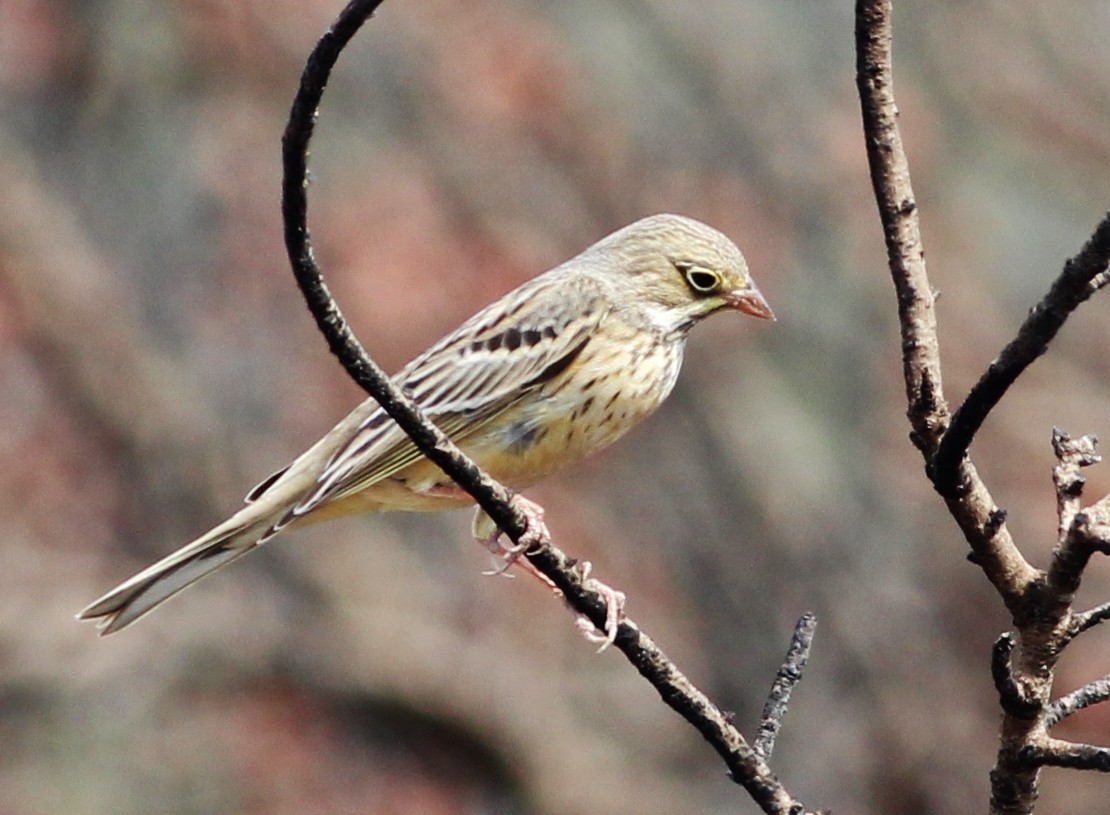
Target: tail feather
(157, 583)
(266, 513)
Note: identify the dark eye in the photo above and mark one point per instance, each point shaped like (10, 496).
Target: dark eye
(701, 279)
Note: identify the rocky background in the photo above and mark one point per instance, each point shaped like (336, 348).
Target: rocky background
(156, 361)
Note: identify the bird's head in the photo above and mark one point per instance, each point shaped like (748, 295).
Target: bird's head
(680, 271)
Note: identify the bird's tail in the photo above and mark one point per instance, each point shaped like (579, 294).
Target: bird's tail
(135, 597)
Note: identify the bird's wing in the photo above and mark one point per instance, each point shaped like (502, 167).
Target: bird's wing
(470, 377)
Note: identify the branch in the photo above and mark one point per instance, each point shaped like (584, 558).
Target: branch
(1038, 603)
(1093, 693)
(1080, 533)
(966, 495)
(1014, 699)
(1082, 276)
(1088, 533)
(1089, 619)
(1059, 753)
(890, 178)
(789, 675)
(1072, 455)
(745, 766)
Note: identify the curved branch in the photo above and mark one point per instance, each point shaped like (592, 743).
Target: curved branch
(1013, 698)
(745, 766)
(967, 497)
(1082, 276)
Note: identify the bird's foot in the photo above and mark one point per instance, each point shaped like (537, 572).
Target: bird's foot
(505, 556)
(614, 610)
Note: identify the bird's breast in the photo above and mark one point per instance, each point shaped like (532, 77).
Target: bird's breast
(615, 383)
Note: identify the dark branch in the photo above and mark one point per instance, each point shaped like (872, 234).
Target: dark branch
(744, 765)
(1089, 533)
(1089, 619)
(1014, 699)
(492, 497)
(1093, 693)
(1039, 604)
(788, 676)
(1082, 276)
(1058, 753)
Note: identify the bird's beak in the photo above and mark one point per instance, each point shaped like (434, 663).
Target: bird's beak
(750, 301)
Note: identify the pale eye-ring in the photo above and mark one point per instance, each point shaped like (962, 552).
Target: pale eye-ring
(701, 279)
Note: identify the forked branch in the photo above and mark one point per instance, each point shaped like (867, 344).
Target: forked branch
(1022, 664)
(967, 496)
(745, 765)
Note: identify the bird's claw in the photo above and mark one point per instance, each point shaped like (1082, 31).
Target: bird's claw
(614, 610)
(535, 532)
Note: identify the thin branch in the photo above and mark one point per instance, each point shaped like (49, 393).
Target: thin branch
(1089, 533)
(1075, 756)
(1072, 455)
(890, 177)
(1089, 619)
(744, 764)
(789, 675)
(1093, 693)
(1082, 276)
(1080, 533)
(966, 495)
(1013, 698)
(435, 444)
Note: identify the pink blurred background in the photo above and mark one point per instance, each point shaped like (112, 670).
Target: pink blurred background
(156, 361)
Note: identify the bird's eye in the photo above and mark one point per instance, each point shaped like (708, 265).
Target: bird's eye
(701, 279)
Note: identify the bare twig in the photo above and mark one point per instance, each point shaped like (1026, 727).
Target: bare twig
(1013, 698)
(1089, 533)
(1072, 455)
(966, 495)
(1080, 533)
(1059, 753)
(1023, 665)
(788, 676)
(744, 764)
(1083, 275)
(1089, 619)
(1093, 693)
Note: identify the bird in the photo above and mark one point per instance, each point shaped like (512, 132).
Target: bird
(553, 371)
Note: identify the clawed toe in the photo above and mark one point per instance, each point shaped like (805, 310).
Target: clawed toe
(507, 556)
(614, 610)
(489, 535)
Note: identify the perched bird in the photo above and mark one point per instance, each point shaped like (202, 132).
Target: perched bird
(553, 371)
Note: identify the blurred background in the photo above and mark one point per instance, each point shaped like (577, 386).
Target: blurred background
(156, 361)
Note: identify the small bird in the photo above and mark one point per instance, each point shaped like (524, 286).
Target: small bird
(558, 368)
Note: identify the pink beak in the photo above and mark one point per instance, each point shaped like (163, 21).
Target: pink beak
(750, 301)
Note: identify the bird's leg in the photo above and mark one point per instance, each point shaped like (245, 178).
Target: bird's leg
(487, 533)
(614, 609)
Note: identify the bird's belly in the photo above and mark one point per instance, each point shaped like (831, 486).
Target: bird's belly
(607, 393)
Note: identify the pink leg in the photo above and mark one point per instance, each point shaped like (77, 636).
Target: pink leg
(535, 531)
(490, 536)
(614, 610)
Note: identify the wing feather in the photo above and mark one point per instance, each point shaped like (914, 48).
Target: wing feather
(470, 377)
